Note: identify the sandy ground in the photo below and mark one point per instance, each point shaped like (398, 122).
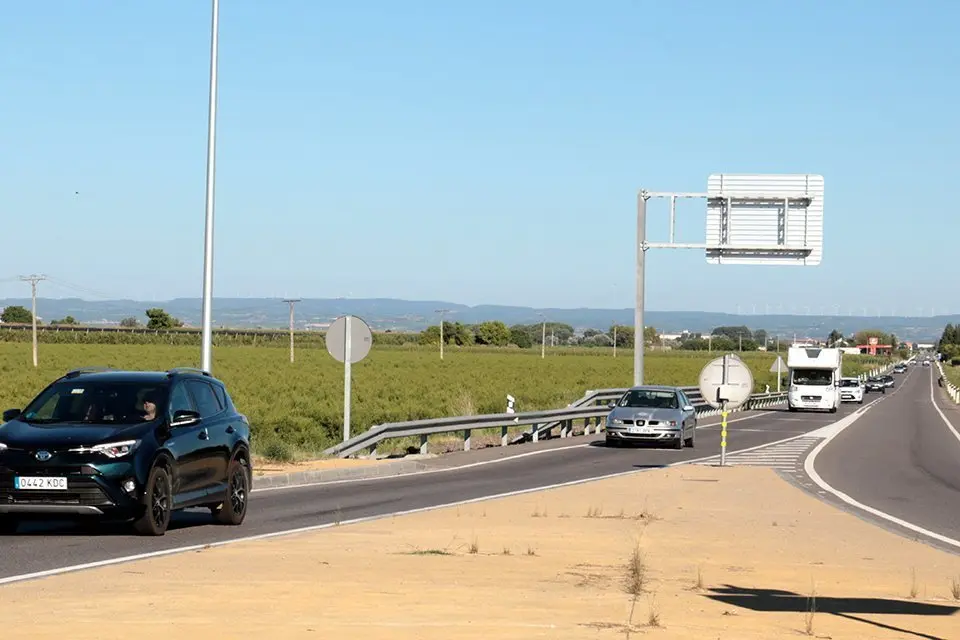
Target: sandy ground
(263, 467)
(728, 553)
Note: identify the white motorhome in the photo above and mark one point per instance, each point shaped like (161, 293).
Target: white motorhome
(815, 374)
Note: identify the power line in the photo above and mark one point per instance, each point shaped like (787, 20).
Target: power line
(33, 280)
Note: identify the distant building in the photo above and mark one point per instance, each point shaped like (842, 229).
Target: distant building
(874, 348)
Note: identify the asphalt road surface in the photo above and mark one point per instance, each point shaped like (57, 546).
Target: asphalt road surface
(901, 458)
(43, 547)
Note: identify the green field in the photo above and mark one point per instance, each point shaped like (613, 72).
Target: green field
(300, 405)
(952, 374)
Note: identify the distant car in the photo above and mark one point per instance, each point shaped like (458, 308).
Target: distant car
(131, 445)
(651, 413)
(874, 383)
(926, 363)
(900, 368)
(887, 380)
(851, 390)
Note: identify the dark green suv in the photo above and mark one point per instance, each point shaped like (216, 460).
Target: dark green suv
(133, 445)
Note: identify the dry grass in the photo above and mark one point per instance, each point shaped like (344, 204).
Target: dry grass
(653, 614)
(810, 615)
(635, 578)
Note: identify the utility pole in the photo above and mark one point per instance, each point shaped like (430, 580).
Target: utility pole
(291, 302)
(33, 280)
(543, 336)
(441, 312)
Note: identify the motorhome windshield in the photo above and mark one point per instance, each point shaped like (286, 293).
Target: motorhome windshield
(813, 377)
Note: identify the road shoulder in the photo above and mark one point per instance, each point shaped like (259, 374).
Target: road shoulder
(730, 552)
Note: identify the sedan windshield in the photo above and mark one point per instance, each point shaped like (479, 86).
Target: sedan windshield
(650, 399)
(97, 402)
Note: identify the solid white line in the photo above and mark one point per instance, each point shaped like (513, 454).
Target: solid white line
(943, 416)
(318, 527)
(471, 465)
(808, 467)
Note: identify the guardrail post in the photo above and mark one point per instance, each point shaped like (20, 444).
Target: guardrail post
(423, 444)
(466, 439)
(372, 450)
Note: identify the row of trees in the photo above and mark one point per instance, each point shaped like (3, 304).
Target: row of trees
(158, 319)
(496, 333)
(949, 344)
(725, 338)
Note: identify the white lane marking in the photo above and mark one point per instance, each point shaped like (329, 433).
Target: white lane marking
(317, 527)
(943, 416)
(471, 465)
(784, 456)
(808, 467)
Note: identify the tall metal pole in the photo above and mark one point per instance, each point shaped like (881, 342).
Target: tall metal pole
(291, 302)
(207, 311)
(638, 341)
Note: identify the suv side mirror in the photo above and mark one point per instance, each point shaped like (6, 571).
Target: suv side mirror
(184, 418)
(611, 405)
(11, 414)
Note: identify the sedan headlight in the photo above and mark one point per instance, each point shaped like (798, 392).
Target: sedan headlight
(2, 446)
(616, 421)
(111, 449)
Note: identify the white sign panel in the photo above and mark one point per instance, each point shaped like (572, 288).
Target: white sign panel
(766, 221)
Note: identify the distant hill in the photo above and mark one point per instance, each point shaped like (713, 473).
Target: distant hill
(414, 315)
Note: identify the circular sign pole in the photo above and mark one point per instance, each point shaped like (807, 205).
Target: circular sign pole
(723, 420)
(346, 378)
(726, 383)
(348, 340)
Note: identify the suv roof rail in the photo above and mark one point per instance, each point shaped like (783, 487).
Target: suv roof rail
(188, 370)
(75, 372)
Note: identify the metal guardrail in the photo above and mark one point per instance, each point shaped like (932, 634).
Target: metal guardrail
(592, 409)
(952, 390)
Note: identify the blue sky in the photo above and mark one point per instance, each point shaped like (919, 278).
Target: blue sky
(475, 152)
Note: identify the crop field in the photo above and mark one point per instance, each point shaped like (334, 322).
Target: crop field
(297, 408)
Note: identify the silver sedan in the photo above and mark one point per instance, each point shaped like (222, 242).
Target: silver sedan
(652, 413)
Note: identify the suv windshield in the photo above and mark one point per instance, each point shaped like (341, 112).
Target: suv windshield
(649, 399)
(813, 377)
(97, 402)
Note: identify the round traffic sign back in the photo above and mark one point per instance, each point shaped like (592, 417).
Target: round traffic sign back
(361, 339)
(735, 387)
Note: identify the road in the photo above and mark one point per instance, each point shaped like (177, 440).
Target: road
(901, 458)
(44, 548)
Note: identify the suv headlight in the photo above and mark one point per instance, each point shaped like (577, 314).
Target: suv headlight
(2, 446)
(111, 449)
